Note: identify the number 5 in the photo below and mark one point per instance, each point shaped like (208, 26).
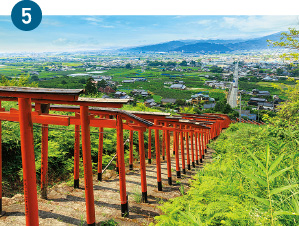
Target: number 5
(24, 14)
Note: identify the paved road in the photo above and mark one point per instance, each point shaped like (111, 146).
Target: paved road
(233, 95)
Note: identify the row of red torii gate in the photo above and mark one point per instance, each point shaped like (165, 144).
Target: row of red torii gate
(187, 131)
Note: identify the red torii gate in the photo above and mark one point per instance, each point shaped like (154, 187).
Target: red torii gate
(140, 126)
(42, 98)
(163, 118)
(26, 118)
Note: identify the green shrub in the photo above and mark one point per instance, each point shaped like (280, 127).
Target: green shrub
(233, 190)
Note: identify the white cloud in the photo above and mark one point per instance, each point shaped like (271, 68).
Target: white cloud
(260, 23)
(96, 21)
(204, 22)
(61, 41)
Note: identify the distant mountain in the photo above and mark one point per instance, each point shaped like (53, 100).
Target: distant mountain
(203, 47)
(208, 46)
(254, 44)
(162, 47)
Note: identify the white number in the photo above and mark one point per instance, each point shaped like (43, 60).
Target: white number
(24, 14)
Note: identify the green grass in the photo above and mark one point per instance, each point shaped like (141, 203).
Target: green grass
(251, 181)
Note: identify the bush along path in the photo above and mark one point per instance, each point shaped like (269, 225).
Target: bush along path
(66, 205)
(252, 180)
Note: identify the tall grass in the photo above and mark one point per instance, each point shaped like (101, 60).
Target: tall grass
(251, 181)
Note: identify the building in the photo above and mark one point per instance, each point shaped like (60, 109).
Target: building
(128, 81)
(150, 103)
(106, 90)
(208, 106)
(168, 101)
(178, 86)
(141, 92)
(257, 92)
(256, 101)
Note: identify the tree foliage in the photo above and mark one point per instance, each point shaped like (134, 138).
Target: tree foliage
(90, 87)
(288, 40)
(22, 81)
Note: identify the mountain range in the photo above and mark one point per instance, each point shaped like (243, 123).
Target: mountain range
(208, 46)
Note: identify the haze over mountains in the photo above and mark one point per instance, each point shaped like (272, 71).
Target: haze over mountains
(208, 46)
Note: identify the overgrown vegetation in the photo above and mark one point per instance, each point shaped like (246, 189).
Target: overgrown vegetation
(253, 179)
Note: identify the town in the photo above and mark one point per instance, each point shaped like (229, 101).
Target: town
(171, 82)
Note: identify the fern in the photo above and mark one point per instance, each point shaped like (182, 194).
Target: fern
(267, 174)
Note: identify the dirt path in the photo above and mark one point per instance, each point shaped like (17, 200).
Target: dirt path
(66, 205)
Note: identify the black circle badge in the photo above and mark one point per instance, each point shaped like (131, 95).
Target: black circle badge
(26, 15)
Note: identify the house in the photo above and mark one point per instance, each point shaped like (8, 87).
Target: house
(257, 92)
(141, 92)
(150, 103)
(106, 90)
(256, 101)
(168, 101)
(266, 105)
(208, 106)
(277, 100)
(177, 86)
(128, 81)
(168, 83)
(119, 94)
(141, 79)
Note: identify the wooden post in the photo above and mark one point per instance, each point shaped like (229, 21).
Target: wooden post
(196, 148)
(187, 149)
(44, 162)
(200, 146)
(77, 156)
(1, 210)
(177, 160)
(100, 153)
(89, 196)
(167, 136)
(192, 150)
(131, 151)
(206, 141)
(182, 152)
(44, 154)
(149, 146)
(122, 169)
(142, 166)
(158, 161)
(174, 142)
(163, 144)
(28, 162)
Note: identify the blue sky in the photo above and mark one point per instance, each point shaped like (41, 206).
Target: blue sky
(67, 33)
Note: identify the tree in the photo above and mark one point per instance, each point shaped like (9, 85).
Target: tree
(279, 71)
(223, 107)
(192, 62)
(34, 78)
(183, 63)
(216, 69)
(288, 40)
(102, 84)
(128, 66)
(90, 87)
(295, 72)
(180, 102)
(288, 114)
